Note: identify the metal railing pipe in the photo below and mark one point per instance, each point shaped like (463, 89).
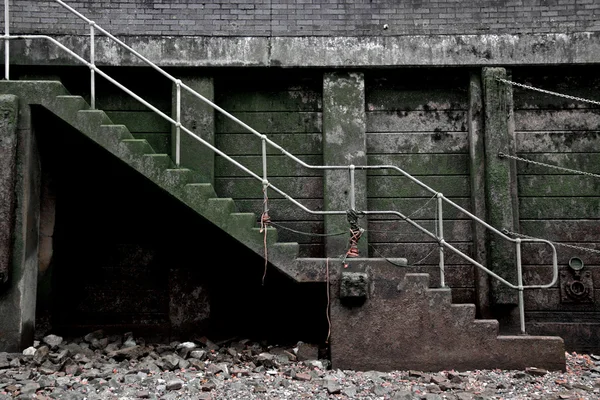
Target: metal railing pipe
(6, 40)
(520, 285)
(440, 227)
(265, 180)
(178, 123)
(352, 193)
(93, 62)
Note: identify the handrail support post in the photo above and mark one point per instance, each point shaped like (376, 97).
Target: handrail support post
(520, 286)
(265, 181)
(178, 124)
(92, 66)
(6, 40)
(440, 222)
(352, 193)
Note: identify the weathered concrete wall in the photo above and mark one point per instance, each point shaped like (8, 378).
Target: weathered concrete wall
(198, 117)
(292, 18)
(500, 199)
(287, 107)
(344, 143)
(8, 163)
(417, 120)
(252, 51)
(560, 205)
(478, 204)
(18, 299)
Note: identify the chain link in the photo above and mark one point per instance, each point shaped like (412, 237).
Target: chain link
(575, 171)
(566, 96)
(507, 232)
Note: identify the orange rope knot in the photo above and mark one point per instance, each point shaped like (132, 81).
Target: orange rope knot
(355, 235)
(265, 219)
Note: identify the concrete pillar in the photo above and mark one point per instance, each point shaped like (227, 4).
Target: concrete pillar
(502, 209)
(8, 155)
(344, 143)
(478, 206)
(198, 117)
(18, 295)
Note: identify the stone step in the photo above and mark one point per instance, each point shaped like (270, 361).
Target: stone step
(487, 327)
(196, 196)
(415, 282)
(282, 252)
(219, 210)
(441, 297)
(174, 180)
(465, 313)
(137, 147)
(259, 237)
(243, 220)
(113, 133)
(69, 104)
(89, 121)
(160, 161)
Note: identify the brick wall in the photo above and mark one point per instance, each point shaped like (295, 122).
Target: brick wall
(309, 17)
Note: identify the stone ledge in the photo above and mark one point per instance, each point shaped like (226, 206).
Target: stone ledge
(320, 51)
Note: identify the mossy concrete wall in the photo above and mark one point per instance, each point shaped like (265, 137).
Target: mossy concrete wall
(198, 117)
(344, 143)
(18, 296)
(287, 107)
(8, 162)
(478, 199)
(500, 182)
(562, 206)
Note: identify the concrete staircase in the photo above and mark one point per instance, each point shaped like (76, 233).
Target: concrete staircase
(181, 183)
(402, 322)
(405, 324)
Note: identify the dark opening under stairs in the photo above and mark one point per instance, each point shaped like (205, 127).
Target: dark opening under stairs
(401, 324)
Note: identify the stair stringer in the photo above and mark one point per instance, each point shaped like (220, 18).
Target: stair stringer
(181, 183)
(404, 324)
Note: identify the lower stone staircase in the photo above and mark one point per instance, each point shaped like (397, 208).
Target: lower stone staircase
(402, 323)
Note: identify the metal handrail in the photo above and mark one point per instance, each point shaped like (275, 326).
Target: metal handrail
(439, 237)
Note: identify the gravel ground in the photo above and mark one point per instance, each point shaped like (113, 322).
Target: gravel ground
(123, 367)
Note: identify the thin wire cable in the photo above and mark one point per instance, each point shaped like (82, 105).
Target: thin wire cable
(506, 231)
(575, 171)
(566, 96)
(385, 258)
(307, 233)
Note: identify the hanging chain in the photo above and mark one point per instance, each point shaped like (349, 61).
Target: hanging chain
(507, 232)
(501, 155)
(566, 96)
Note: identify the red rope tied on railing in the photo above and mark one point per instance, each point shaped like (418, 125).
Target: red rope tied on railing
(355, 234)
(265, 221)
